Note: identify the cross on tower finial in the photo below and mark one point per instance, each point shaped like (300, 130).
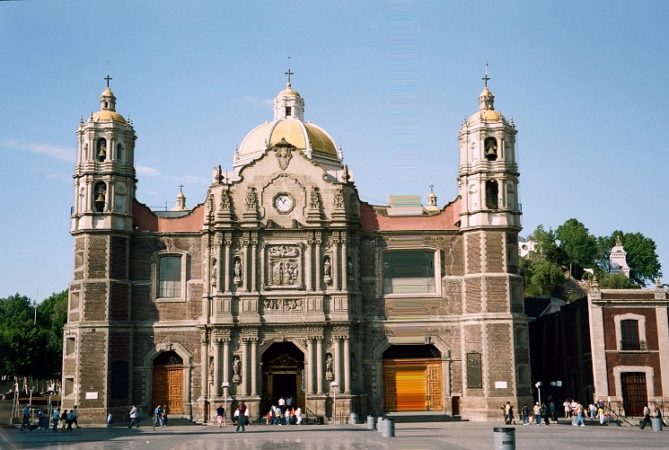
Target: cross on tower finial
(289, 73)
(432, 188)
(108, 78)
(486, 77)
(181, 187)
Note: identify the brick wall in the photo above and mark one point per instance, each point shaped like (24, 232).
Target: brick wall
(500, 359)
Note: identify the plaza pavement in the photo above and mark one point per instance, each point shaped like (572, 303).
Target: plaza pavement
(435, 435)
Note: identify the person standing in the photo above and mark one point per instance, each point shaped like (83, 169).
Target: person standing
(525, 413)
(537, 413)
(220, 413)
(241, 417)
(55, 419)
(133, 417)
(646, 417)
(157, 417)
(26, 419)
(109, 419)
(544, 413)
(75, 414)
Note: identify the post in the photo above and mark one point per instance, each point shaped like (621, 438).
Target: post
(334, 386)
(225, 387)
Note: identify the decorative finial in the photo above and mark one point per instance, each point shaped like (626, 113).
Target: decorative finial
(431, 188)
(108, 78)
(181, 188)
(486, 77)
(289, 73)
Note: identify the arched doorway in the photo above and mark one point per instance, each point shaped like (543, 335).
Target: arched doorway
(283, 374)
(412, 378)
(168, 382)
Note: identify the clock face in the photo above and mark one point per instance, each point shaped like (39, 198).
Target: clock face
(283, 203)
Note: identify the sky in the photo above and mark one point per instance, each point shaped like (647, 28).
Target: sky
(390, 80)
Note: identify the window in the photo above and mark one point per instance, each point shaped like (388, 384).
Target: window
(68, 388)
(69, 346)
(409, 272)
(169, 281)
(101, 149)
(629, 335)
(288, 111)
(474, 373)
(100, 197)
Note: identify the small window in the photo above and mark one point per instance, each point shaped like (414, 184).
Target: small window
(69, 345)
(629, 335)
(491, 194)
(68, 387)
(288, 111)
(169, 281)
(474, 371)
(119, 152)
(74, 300)
(408, 272)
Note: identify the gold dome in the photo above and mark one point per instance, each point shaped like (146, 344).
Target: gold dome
(303, 135)
(106, 115)
(288, 90)
(487, 115)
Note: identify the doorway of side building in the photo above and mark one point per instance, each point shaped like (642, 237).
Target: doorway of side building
(168, 382)
(412, 379)
(282, 374)
(634, 392)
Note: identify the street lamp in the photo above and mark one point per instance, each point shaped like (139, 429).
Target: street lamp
(334, 385)
(538, 386)
(225, 385)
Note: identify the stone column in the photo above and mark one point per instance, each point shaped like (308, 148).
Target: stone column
(337, 363)
(359, 361)
(308, 274)
(245, 268)
(204, 362)
(347, 366)
(310, 365)
(225, 266)
(336, 264)
(318, 284)
(344, 267)
(245, 368)
(254, 366)
(254, 247)
(226, 361)
(218, 251)
(319, 365)
(217, 367)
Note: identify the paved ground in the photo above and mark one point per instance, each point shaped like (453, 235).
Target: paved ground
(444, 435)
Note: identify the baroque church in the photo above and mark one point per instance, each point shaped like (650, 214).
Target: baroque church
(283, 283)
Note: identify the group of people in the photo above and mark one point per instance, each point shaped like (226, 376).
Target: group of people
(655, 412)
(68, 418)
(160, 416)
(284, 412)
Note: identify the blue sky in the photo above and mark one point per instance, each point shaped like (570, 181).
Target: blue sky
(391, 81)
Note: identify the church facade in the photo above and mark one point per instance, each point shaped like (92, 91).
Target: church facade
(283, 283)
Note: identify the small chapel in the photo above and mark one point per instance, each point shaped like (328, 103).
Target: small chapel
(283, 283)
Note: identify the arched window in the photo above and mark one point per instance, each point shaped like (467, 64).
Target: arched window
(100, 197)
(101, 149)
(490, 147)
(491, 194)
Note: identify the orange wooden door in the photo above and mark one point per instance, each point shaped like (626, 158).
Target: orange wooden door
(410, 385)
(168, 388)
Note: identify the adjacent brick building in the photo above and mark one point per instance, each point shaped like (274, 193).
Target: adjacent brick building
(283, 283)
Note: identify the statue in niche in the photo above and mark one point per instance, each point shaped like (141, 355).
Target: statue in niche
(314, 200)
(329, 371)
(292, 272)
(250, 199)
(339, 200)
(277, 273)
(237, 271)
(211, 371)
(349, 267)
(213, 272)
(236, 368)
(225, 202)
(327, 270)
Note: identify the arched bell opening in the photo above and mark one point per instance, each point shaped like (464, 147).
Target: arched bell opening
(412, 378)
(283, 375)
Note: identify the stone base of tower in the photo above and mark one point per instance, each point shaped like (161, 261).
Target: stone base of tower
(491, 408)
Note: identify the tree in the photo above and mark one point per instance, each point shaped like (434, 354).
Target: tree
(541, 277)
(578, 245)
(641, 257)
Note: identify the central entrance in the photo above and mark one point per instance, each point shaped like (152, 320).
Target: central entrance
(168, 382)
(282, 374)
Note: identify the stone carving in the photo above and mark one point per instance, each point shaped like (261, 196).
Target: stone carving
(338, 200)
(250, 199)
(169, 244)
(284, 266)
(314, 199)
(237, 272)
(225, 201)
(327, 270)
(283, 153)
(329, 370)
(210, 208)
(349, 267)
(236, 369)
(288, 304)
(284, 251)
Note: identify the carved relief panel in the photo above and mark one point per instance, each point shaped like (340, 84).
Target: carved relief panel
(284, 267)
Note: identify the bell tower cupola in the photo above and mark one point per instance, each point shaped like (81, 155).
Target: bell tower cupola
(488, 172)
(104, 178)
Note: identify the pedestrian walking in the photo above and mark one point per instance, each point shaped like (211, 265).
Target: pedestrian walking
(109, 419)
(241, 417)
(75, 413)
(157, 417)
(220, 415)
(134, 416)
(55, 419)
(646, 417)
(525, 414)
(536, 409)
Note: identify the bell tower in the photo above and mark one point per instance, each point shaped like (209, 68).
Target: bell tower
(96, 375)
(496, 329)
(104, 178)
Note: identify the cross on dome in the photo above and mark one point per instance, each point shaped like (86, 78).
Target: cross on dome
(107, 79)
(289, 73)
(486, 78)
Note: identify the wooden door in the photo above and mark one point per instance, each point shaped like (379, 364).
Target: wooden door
(411, 388)
(634, 392)
(168, 388)
(412, 385)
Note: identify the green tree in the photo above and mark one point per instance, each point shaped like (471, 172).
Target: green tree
(578, 245)
(547, 245)
(542, 277)
(641, 257)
